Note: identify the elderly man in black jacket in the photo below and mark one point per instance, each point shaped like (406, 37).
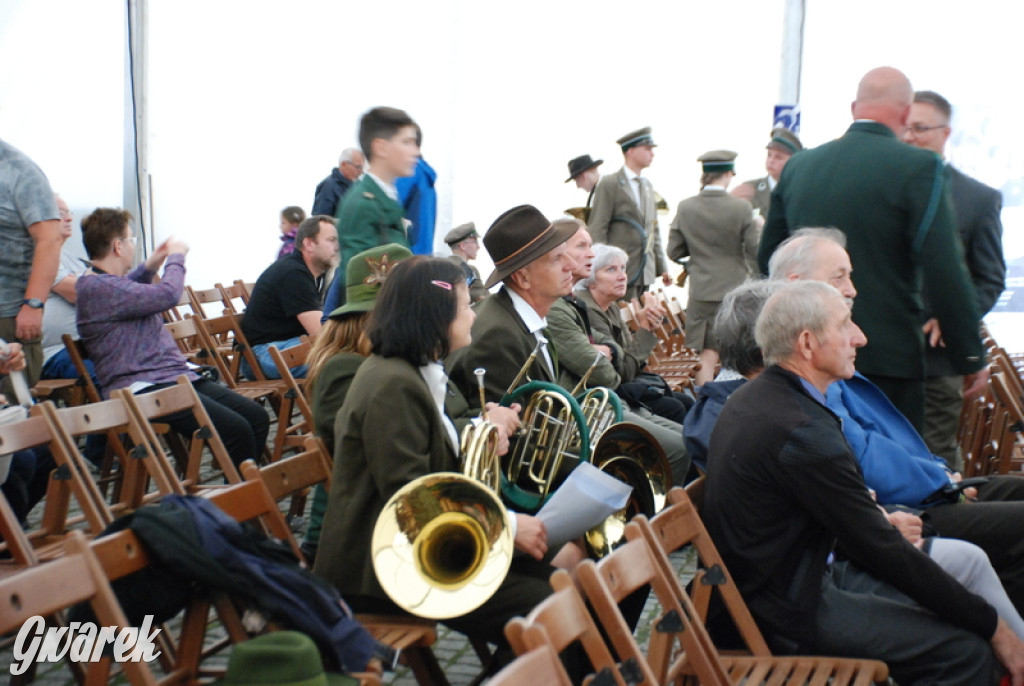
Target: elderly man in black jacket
(785, 494)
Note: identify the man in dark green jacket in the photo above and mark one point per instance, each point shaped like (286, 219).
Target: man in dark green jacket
(892, 203)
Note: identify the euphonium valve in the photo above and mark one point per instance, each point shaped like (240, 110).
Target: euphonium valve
(601, 407)
(552, 440)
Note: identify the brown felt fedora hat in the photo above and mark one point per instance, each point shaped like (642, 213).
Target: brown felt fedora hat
(520, 236)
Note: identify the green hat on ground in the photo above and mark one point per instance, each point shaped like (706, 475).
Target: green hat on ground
(365, 275)
(280, 658)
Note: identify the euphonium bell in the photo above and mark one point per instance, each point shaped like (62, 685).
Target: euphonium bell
(442, 545)
(630, 454)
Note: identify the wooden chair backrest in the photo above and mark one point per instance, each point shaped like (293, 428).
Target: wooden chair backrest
(178, 311)
(208, 296)
(679, 525)
(72, 464)
(227, 329)
(190, 342)
(78, 354)
(182, 397)
(538, 666)
(628, 568)
(291, 431)
(58, 585)
(23, 435)
(235, 297)
(294, 473)
(558, 621)
(250, 500)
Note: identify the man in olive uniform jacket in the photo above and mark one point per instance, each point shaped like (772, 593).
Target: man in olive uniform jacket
(891, 201)
(623, 214)
(583, 170)
(758, 192)
(464, 243)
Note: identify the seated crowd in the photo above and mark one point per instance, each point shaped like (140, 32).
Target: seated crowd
(844, 534)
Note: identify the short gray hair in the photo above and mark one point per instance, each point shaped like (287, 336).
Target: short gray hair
(346, 155)
(604, 254)
(734, 325)
(797, 254)
(794, 308)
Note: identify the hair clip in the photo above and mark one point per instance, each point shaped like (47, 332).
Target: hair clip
(442, 284)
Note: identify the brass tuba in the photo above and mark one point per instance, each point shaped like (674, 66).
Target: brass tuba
(443, 543)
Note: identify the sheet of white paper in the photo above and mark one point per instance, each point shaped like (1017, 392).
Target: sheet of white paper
(585, 500)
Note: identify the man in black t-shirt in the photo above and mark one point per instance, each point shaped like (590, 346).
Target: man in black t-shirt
(285, 302)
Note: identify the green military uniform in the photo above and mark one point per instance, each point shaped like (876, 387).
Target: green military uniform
(367, 218)
(891, 201)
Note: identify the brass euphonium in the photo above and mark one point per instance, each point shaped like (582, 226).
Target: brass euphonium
(600, 405)
(630, 454)
(443, 543)
(553, 439)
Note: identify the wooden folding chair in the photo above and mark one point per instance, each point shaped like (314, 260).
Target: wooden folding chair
(291, 430)
(224, 337)
(192, 345)
(538, 666)
(562, 619)
(180, 309)
(78, 354)
(57, 585)
(244, 289)
(678, 525)
(294, 475)
(235, 297)
(208, 296)
(148, 408)
(121, 554)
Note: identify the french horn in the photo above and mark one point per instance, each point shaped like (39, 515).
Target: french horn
(443, 543)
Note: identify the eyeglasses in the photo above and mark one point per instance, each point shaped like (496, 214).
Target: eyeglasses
(919, 129)
(128, 238)
(358, 167)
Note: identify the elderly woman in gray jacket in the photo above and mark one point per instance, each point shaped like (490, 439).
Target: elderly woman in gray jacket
(601, 291)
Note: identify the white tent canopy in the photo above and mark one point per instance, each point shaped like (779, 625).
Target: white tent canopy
(248, 104)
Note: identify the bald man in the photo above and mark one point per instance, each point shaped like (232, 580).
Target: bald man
(891, 201)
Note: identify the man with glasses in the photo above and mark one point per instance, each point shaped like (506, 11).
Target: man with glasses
(977, 208)
(330, 191)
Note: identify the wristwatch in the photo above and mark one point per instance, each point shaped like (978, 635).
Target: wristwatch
(34, 303)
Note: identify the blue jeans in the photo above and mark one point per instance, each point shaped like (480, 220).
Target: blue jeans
(262, 353)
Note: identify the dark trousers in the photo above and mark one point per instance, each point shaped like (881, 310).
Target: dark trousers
(861, 616)
(243, 424)
(995, 524)
(906, 394)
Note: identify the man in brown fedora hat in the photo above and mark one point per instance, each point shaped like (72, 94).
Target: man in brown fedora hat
(624, 214)
(758, 192)
(532, 262)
